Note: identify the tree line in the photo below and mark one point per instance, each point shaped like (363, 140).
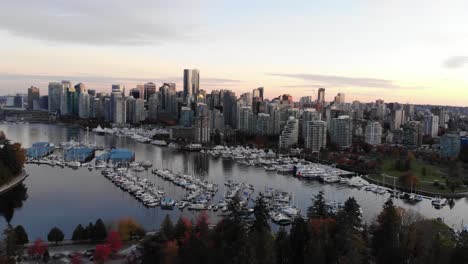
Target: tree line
(12, 159)
(324, 235)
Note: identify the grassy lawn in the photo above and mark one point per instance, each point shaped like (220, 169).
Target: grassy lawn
(432, 172)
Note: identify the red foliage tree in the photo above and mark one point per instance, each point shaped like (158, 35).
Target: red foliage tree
(114, 241)
(102, 253)
(37, 250)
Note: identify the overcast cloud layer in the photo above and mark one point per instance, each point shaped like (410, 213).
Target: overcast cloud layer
(101, 22)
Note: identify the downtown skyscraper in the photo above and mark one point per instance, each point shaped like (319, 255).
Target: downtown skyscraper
(191, 82)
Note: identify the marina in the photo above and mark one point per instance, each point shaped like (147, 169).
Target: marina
(137, 191)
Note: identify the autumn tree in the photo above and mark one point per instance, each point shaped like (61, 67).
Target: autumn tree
(195, 248)
(114, 241)
(37, 250)
(128, 228)
(55, 235)
(171, 252)
(430, 241)
(102, 253)
(409, 180)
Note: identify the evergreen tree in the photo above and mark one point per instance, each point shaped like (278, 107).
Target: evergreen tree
(235, 240)
(180, 228)
(21, 235)
(99, 231)
(319, 208)
(260, 233)
(79, 233)
(350, 243)
(152, 249)
(167, 228)
(55, 235)
(299, 237)
(386, 235)
(89, 232)
(282, 247)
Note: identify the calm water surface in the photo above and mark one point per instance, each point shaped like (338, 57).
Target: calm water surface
(65, 197)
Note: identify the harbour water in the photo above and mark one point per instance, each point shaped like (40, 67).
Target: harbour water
(65, 197)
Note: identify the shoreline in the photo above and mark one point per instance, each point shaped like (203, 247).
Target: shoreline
(13, 183)
(421, 192)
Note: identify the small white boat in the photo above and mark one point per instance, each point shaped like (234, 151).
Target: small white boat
(197, 206)
(74, 164)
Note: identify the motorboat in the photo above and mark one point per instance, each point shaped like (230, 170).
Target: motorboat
(167, 203)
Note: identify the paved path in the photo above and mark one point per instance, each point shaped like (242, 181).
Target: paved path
(13, 183)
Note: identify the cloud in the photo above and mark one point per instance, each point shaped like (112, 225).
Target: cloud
(102, 22)
(317, 80)
(455, 62)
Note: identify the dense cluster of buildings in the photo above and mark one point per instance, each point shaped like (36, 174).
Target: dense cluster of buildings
(196, 115)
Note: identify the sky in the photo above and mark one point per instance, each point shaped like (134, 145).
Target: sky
(406, 51)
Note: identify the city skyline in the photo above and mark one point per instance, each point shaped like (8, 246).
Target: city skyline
(405, 55)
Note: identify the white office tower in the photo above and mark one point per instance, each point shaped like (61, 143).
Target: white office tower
(120, 110)
(373, 134)
(340, 98)
(65, 100)
(398, 119)
(316, 135)
(308, 114)
(84, 105)
(289, 134)
(264, 124)
(341, 129)
(117, 88)
(140, 114)
(431, 125)
(245, 119)
(55, 96)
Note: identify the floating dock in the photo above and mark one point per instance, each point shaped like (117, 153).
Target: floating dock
(81, 154)
(117, 155)
(40, 150)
